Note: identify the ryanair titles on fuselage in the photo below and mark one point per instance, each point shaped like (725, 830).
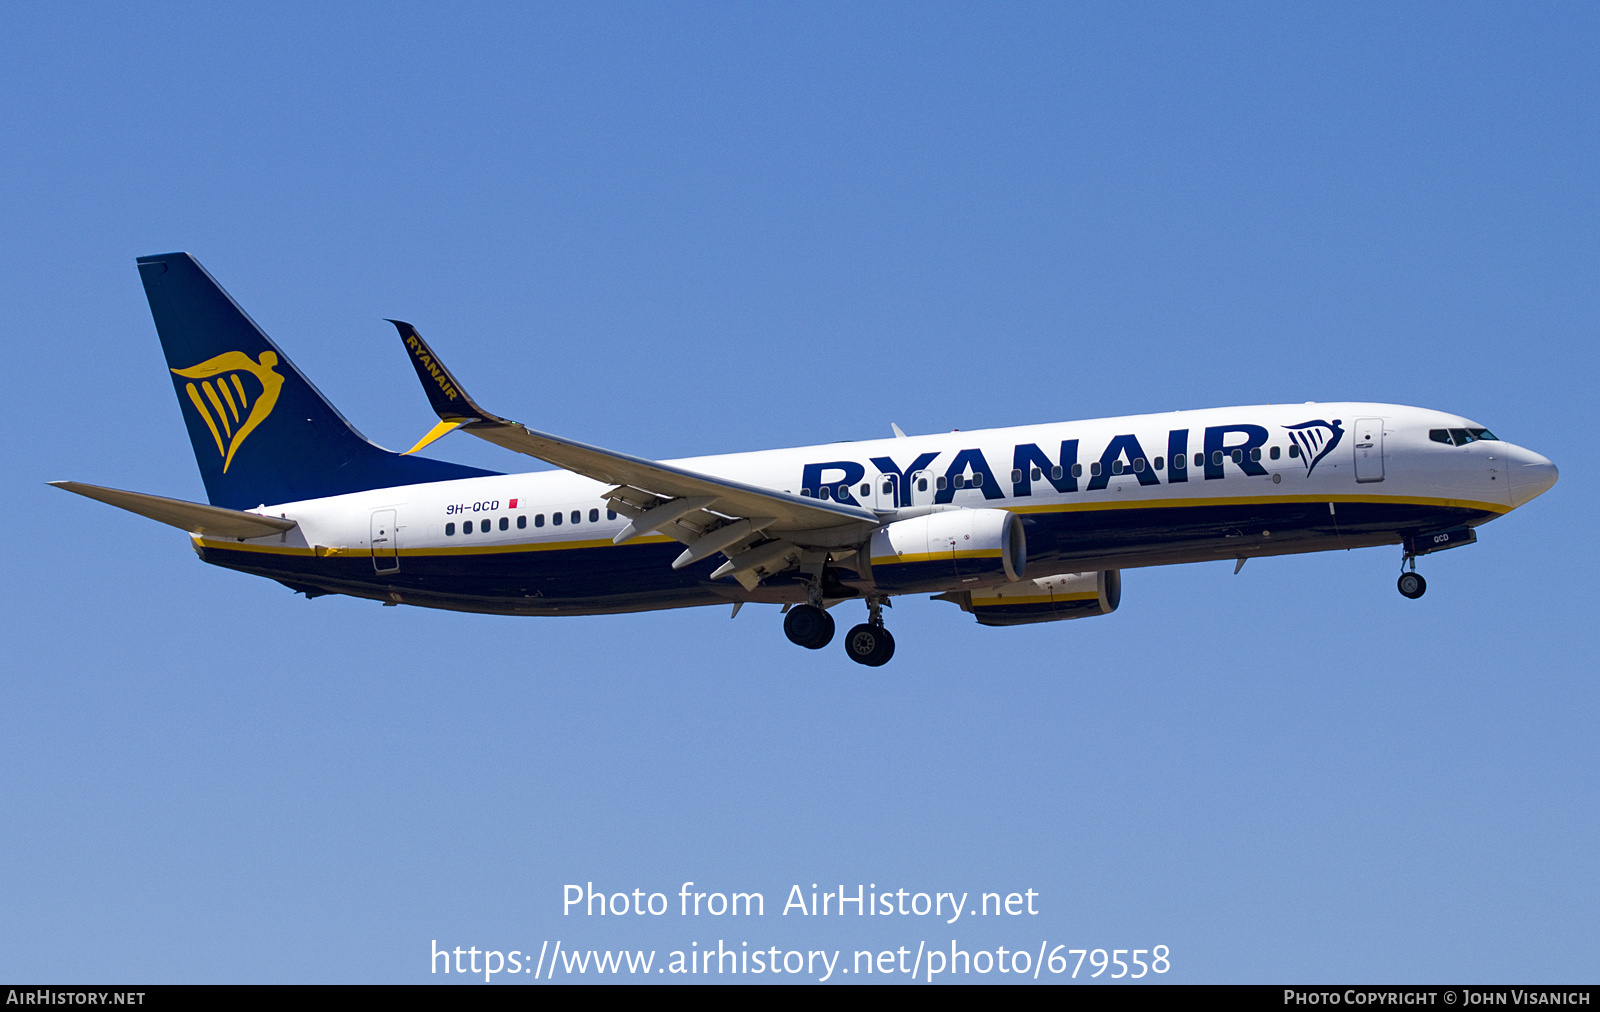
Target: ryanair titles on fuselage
(1239, 443)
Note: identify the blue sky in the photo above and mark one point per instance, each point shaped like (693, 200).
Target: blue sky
(688, 229)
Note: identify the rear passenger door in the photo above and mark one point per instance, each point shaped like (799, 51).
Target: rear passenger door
(385, 543)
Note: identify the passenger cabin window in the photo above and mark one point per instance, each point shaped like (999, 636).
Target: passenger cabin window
(1275, 452)
(1178, 461)
(1255, 453)
(1158, 462)
(1138, 464)
(1037, 474)
(505, 524)
(1094, 468)
(466, 528)
(1238, 456)
(555, 518)
(977, 479)
(961, 481)
(866, 489)
(844, 493)
(940, 483)
(538, 520)
(1294, 451)
(577, 515)
(1116, 467)
(449, 530)
(1200, 459)
(1055, 472)
(1077, 470)
(1016, 475)
(594, 516)
(806, 492)
(611, 514)
(922, 484)
(522, 521)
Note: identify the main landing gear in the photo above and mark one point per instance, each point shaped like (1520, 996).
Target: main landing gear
(810, 626)
(870, 643)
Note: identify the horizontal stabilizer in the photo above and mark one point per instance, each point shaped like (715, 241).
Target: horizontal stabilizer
(186, 516)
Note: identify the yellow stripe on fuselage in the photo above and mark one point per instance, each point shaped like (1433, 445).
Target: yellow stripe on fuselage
(239, 546)
(1128, 504)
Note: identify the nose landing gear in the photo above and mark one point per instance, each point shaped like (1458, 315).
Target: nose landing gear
(1412, 585)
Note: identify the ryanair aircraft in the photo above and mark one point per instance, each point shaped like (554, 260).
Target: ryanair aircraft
(1019, 525)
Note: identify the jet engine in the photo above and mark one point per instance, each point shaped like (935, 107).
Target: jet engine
(1047, 599)
(948, 549)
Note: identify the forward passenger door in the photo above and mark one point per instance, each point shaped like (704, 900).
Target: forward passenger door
(1369, 449)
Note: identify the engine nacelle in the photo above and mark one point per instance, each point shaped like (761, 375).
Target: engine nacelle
(948, 549)
(1047, 599)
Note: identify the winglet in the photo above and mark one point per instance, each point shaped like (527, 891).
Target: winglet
(448, 400)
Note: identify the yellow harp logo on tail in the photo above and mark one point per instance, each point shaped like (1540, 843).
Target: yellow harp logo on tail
(229, 409)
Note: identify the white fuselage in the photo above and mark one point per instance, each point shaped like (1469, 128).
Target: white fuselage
(1098, 494)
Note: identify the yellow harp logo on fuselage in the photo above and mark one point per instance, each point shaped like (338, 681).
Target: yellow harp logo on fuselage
(230, 412)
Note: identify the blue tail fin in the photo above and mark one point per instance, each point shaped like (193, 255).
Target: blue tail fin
(262, 433)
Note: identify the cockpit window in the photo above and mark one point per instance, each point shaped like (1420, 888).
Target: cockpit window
(1460, 437)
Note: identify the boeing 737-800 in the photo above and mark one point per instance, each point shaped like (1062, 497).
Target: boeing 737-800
(1016, 525)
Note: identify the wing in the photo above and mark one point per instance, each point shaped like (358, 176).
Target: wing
(706, 512)
(193, 517)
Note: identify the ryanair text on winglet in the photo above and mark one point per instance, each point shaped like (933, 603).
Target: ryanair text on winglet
(422, 355)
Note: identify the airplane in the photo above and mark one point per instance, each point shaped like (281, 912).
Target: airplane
(1013, 525)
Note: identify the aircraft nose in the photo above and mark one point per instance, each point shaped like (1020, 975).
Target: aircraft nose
(1530, 475)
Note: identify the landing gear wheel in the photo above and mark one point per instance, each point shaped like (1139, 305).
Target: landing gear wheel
(869, 644)
(1412, 585)
(808, 626)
